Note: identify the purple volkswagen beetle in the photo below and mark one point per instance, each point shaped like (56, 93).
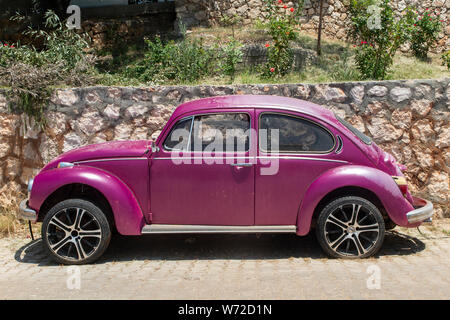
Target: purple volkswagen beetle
(233, 164)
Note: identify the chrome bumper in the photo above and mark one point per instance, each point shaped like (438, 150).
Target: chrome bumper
(424, 212)
(25, 212)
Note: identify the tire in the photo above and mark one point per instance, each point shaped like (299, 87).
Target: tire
(351, 228)
(76, 232)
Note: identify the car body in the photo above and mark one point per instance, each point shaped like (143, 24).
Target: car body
(278, 186)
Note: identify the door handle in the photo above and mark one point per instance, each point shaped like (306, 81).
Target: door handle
(241, 164)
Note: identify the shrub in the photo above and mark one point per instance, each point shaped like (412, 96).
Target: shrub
(184, 61)
(282, 21)
(379, 34)
(446, 59)
(230, 56)
(425, 33)
(30, 74)
(230, 21)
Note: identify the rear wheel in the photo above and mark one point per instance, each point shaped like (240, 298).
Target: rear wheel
(76, 231)
(350, 227)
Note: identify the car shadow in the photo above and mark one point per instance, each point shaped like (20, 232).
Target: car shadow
(210, 247)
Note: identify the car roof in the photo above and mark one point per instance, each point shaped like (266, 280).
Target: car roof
(256, 101)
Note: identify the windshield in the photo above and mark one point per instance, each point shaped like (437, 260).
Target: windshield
(355, 131)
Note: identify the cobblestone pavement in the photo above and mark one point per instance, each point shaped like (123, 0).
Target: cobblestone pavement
(231, 267)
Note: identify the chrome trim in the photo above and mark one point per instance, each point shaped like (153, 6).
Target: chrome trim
(421, 214)
(241, 164)
(302, 158)
(154, 147)
(340, 146)
(190, 133)
(30, 185)
(198, 158)
(168, 229)
(165, 148)
(25, 212)
(262, 157)
(65, 165)
(110, 159)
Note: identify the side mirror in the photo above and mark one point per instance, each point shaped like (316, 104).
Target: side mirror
(155, 148)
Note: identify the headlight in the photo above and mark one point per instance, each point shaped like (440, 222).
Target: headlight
(30, 185)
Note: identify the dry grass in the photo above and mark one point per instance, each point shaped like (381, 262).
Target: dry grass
(211, 36)
(8, 225)
(409, 67)
(438, 228)
(10, 196)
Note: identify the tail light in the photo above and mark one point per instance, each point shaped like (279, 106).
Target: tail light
(402, 184)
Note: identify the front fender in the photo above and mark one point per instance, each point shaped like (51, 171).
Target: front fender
(368, 178)
(128, 215)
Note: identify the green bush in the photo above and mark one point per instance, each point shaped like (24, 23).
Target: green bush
(282, 23)
(425, 33)
(184, 61)
(379, 34)
(31, 74)
(230, 56)
(446, 59)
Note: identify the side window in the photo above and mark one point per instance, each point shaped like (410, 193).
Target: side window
(221, 132)
(295, 135)
(178, 138)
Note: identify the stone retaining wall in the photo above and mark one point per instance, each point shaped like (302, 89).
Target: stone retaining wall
(108, 27)
(408, 118)
(336, 19)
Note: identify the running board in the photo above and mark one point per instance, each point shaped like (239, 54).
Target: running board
(176, 228)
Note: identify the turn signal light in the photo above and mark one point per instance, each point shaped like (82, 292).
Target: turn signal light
(65, 165)
(402, 184)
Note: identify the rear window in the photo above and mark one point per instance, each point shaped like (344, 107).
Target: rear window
(355, 131)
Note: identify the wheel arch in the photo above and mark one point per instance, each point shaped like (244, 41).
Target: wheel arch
(349, 191)
(89, 183)
(77, 191)
(366, 182)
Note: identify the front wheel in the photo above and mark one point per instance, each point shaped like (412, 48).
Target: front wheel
(75, 231)
(350, 227)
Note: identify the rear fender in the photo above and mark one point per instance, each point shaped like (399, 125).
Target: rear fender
(374, 180)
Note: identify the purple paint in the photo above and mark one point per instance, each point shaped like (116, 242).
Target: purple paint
(145, 187)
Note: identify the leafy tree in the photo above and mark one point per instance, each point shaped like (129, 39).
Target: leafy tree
(378, 34)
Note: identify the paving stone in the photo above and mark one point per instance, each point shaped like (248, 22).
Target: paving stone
(218, 267)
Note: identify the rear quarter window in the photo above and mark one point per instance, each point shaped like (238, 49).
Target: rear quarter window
(361, 136)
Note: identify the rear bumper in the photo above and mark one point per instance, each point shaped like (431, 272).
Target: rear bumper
(25, 212)
(423, 211)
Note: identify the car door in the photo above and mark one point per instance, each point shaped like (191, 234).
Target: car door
(194, 181)
(306, 150)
